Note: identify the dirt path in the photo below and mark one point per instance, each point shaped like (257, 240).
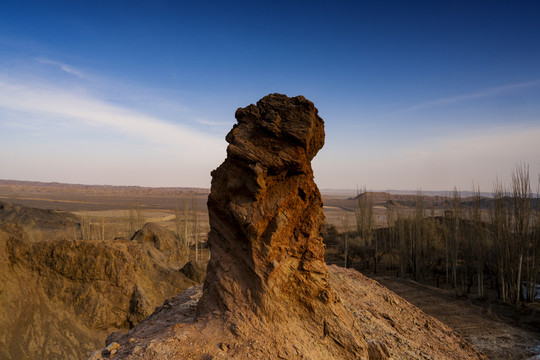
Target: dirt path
(481, 325)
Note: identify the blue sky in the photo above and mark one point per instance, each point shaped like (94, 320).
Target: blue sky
(415, 94)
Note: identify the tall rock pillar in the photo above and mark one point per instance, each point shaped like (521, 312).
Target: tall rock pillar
(267, 256)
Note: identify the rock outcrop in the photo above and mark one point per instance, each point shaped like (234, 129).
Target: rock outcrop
(161, 244)
(268, 293)
(265, 219)
(61, 298)
(194, 270)
(266, 212)
(394, 329)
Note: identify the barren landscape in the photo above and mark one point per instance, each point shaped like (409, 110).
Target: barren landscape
(498, 330)
(299, 180)
(85, 266)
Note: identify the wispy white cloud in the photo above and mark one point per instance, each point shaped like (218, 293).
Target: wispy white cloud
(155, 143)
(484, 93)
(87, 110)
(64, 67)
(214, 123)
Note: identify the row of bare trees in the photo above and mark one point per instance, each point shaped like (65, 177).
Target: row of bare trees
(95, 227)
(473, 245)
(188, 228)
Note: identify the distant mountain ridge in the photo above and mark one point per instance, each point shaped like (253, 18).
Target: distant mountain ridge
(100, 188)
(171, 189)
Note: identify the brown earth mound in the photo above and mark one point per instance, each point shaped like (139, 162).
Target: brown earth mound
(394, 329)
(268, 293)
(60, 299)
(41, 218)
(160, 243)
(194, 270)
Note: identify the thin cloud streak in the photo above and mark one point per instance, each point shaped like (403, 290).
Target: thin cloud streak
(82, 108)
(70, 135)
(216, 124)
(64, 67)
(485, 93)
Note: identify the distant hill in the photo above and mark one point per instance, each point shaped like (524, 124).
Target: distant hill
(437, 202)
(42, 218)
(78, 197)
(104, 189)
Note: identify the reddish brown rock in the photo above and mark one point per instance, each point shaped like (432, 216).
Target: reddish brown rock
(266, 211)
(268, 292)
(265, 218)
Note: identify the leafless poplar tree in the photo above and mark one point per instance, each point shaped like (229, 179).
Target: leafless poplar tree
(522, 215)
(364, 220)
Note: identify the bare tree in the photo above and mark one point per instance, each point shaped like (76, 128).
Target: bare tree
(535, 244)
(345, 227)
(364, 221)
(195, 227)
(391, 222)
(476, 238)
(500, 221)
(418, 239)
(186, 225)
(402, 227)
(178, 224)
(86, 226)
(101, 229)
(453, 233)
(522, 214)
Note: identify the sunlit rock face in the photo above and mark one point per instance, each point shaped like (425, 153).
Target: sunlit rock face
(265, 209)
(265, 218)
(268, 293)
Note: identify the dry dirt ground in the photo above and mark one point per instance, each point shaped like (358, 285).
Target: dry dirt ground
(393, 329)
(70, 197)
(489, 327)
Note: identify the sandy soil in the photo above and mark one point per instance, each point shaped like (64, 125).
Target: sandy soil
(485, 325)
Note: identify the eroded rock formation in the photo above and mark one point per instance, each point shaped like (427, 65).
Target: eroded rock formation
(268, 293)
(161, 244)
(265, 209)
(59, 299)
(265, 218)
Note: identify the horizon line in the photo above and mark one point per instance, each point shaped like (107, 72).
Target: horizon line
(340, 190)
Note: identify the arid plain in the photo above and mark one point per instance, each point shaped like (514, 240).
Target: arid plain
(500, 331)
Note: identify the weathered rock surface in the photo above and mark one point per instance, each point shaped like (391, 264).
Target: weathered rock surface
(266, 211)
(39, 224)
(194, 270)
(265, 219)
(268, 293)
(60, 299)
(394, 329)
(160, 243)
